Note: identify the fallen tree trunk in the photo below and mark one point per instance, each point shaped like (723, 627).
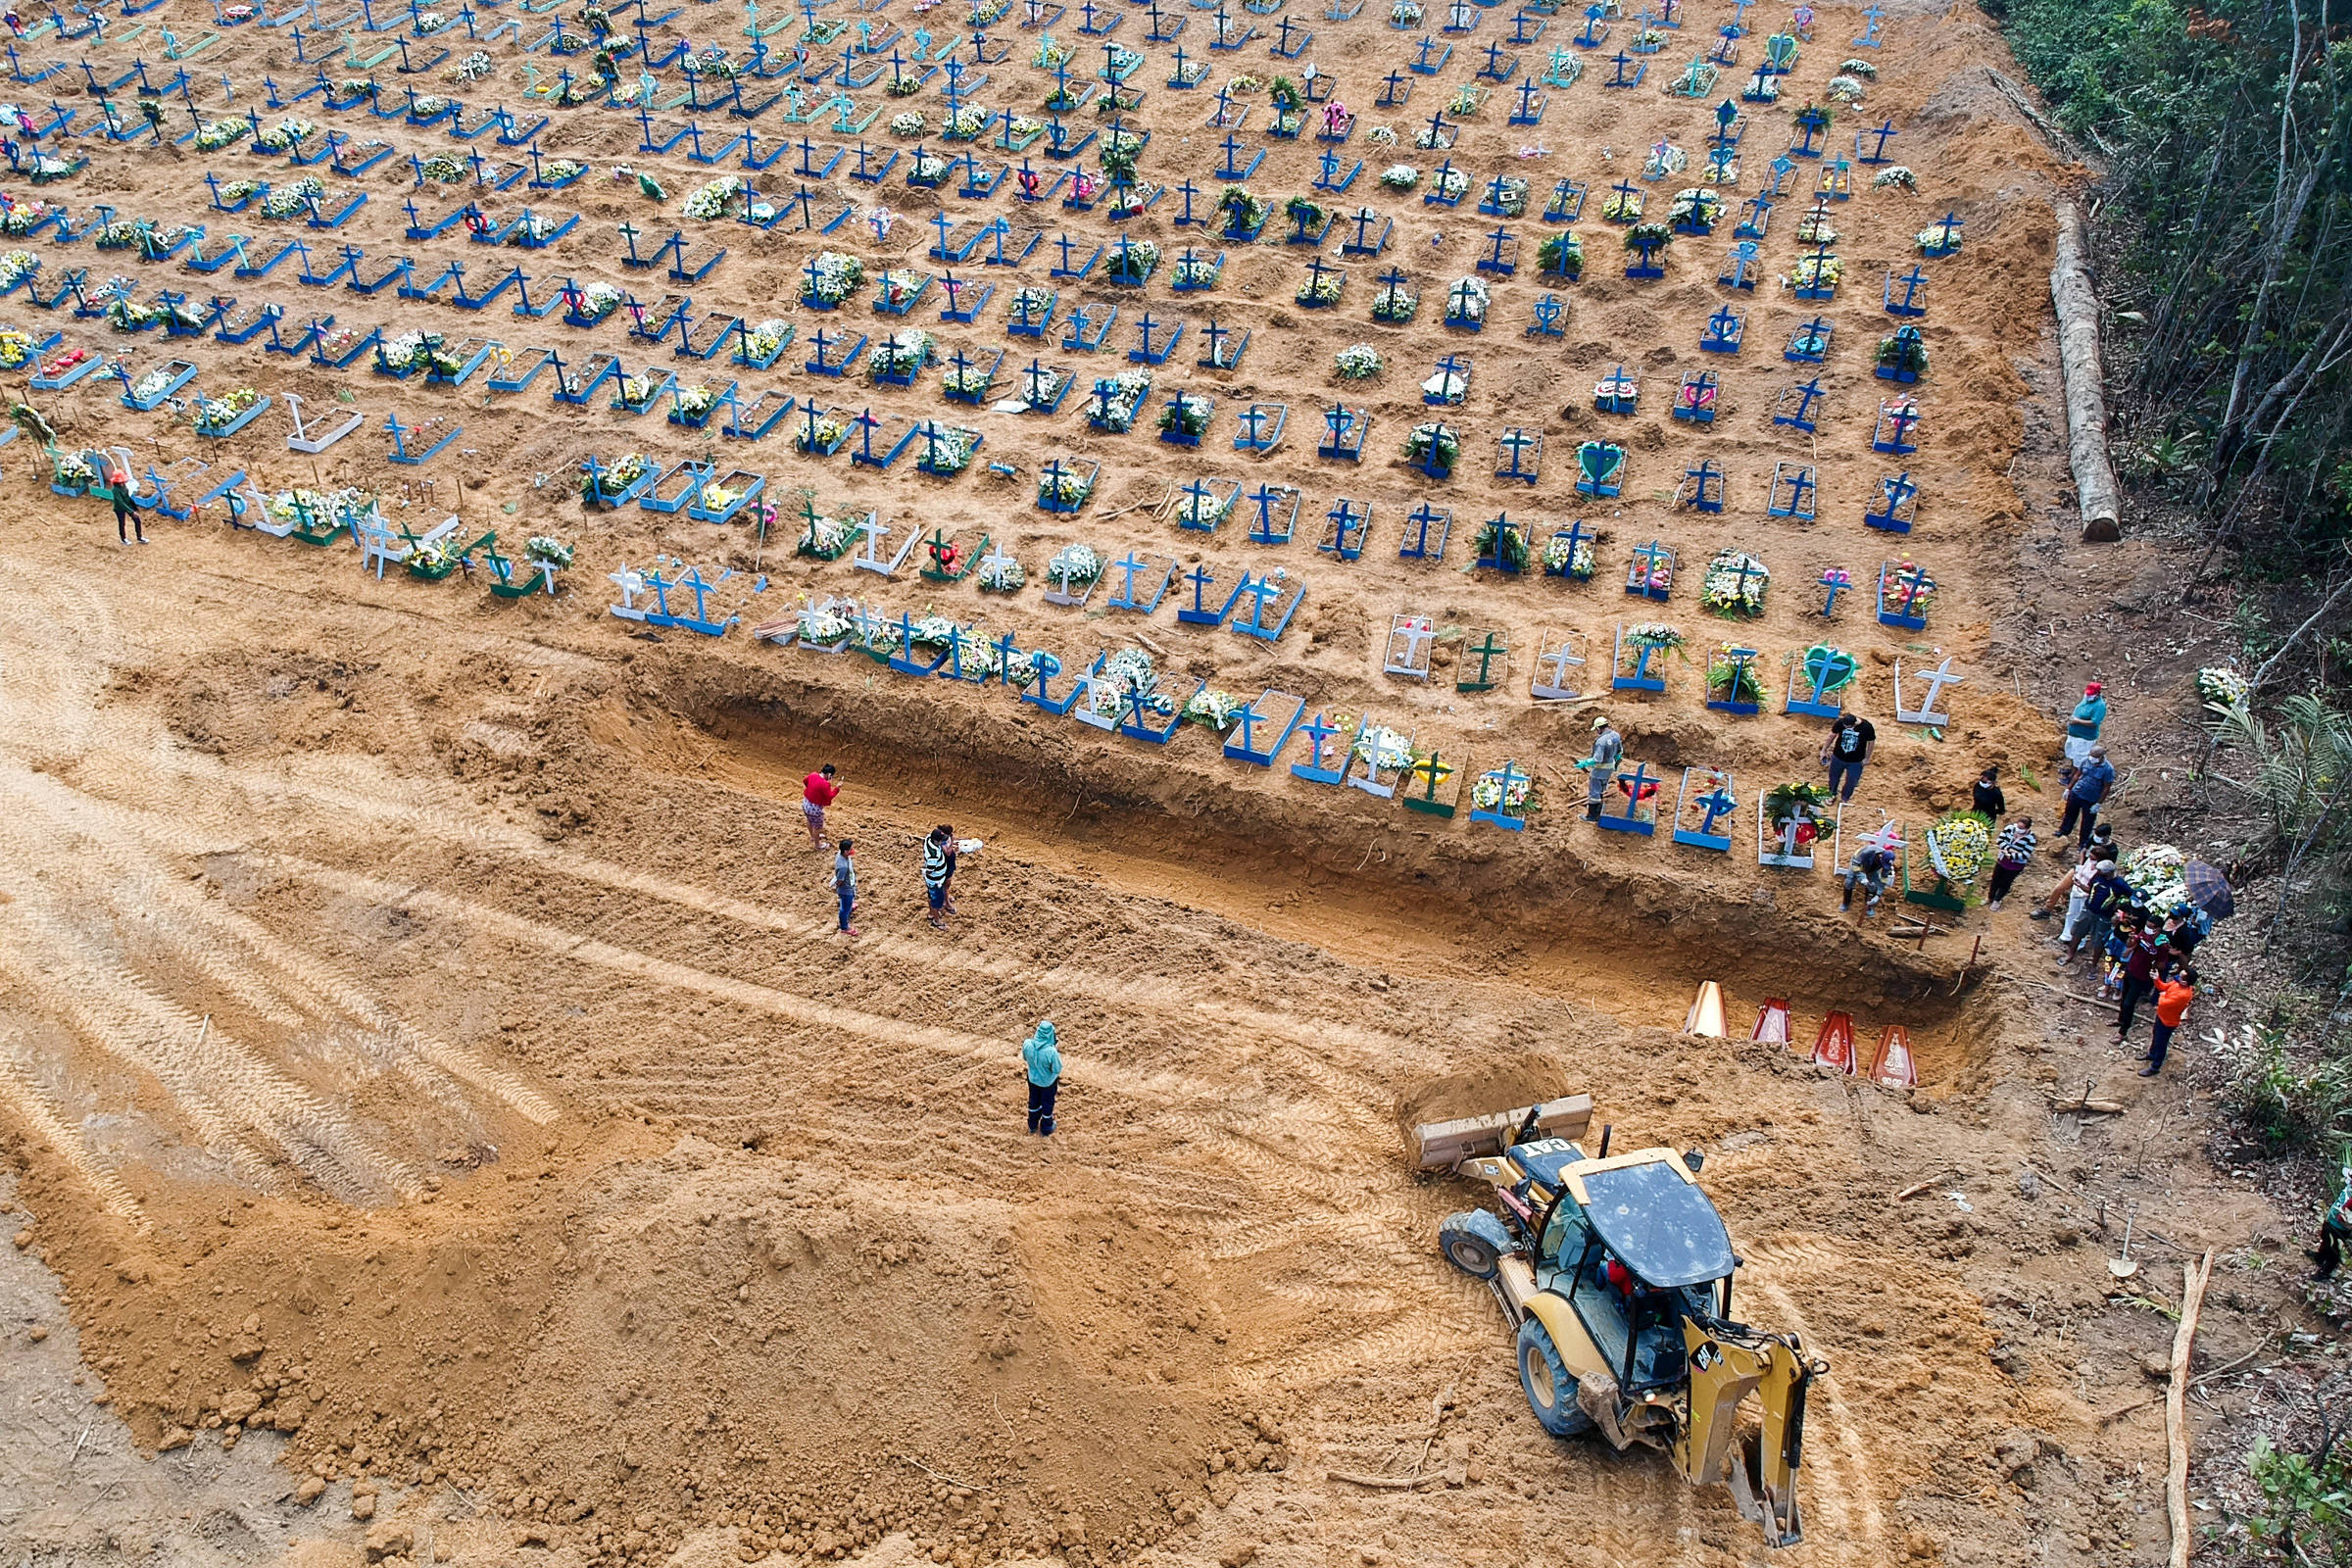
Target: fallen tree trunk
(2078, 306)
(2175, 1407)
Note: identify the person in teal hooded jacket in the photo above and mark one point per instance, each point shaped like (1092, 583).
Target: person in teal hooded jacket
(1043, 1058)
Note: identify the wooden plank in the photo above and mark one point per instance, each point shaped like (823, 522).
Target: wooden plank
(2176, 1416)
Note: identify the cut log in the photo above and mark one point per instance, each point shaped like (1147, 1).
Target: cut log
(2175, 1406)
(2078, 305)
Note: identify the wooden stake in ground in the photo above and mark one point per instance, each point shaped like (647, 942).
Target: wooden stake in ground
(2176, 1412)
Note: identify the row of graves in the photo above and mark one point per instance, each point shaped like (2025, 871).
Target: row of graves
(1042, 306)
(1055, 301)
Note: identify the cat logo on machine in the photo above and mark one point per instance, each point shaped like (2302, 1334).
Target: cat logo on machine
(1705, 1356)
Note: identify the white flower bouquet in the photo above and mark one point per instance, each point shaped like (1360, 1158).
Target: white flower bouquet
(1560, 559)
(711, 200)
(1115, 400)
(214, 412)
(1383, 747)
(1733, 584)
(1500, 790)
(287, 135)
(1696, 206)
(1446, 386)
(1358, 361)
(900, 353)
(947, 448)
(836, 278)
(1065, 488)
(2157, 873)
(1212, 708)
(1395, 304)
(1074, 566)
(1817, 271)
(599, 300)
(1401, 177)
(2222, 687)
(548, 551)
(215, 134)
(1895, 177)
(1654, 634)
(908, 123)
(1959, 843)
(1195, 271)
(1205, 508)
(1467, 300)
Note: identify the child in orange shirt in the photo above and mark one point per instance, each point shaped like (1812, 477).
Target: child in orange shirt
(2174, 993)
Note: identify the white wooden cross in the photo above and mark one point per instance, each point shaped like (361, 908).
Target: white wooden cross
(1549, 683)
(1415, 633)
(866, 560)
(1938, 679)
(632, 583)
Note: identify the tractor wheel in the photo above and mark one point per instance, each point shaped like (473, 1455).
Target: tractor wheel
(1473, 1241)
(1544, 1379)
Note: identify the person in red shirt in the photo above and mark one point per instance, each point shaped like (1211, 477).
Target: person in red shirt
(817, 791)
(2174, 993)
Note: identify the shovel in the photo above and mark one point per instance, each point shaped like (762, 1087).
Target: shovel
(2124, 1267)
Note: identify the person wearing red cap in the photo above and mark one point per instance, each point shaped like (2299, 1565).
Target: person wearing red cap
(2082, 729)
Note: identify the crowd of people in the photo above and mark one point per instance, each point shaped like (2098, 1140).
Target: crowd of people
(2138, 955)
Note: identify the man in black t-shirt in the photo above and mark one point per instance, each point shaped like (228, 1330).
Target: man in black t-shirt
(1847, 750)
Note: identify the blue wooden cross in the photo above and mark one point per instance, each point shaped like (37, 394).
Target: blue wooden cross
(1743, 267)
(1646, 575)
(1621, 64)
(1422, 518)
(1725, 329)
(1803, 416)
(1515, 441)
(1263, 531)
(1200, 614)
(1232, 147)
(1636, 784)
(1316, 769)
(1715, 804)
(1188, 190)
(1896, 423)
(1703, 487)
(1781, 170)
(1253, 419)
(1261, 587)
(1394, 89)
(1911, 303)
(1896, 515)
(1876, 152)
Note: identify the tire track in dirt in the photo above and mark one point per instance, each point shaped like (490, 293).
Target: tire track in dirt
(827, 1017)
(1844, 1490)
(41, 1114)
(389, 806)
(205, 927)
(232, 1093)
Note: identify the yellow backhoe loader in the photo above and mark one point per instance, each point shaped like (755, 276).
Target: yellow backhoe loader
(1616, 1272)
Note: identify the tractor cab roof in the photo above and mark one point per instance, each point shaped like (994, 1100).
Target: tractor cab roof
(1653, 1216)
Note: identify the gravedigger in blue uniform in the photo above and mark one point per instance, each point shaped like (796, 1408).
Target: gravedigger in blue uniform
(1616, 1272)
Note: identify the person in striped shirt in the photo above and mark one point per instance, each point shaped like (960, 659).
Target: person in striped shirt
(2013, 851)
(939, 872)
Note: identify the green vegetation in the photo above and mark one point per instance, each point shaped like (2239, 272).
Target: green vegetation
(2224, 231)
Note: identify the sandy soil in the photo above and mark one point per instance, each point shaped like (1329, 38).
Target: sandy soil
(425, 1045)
